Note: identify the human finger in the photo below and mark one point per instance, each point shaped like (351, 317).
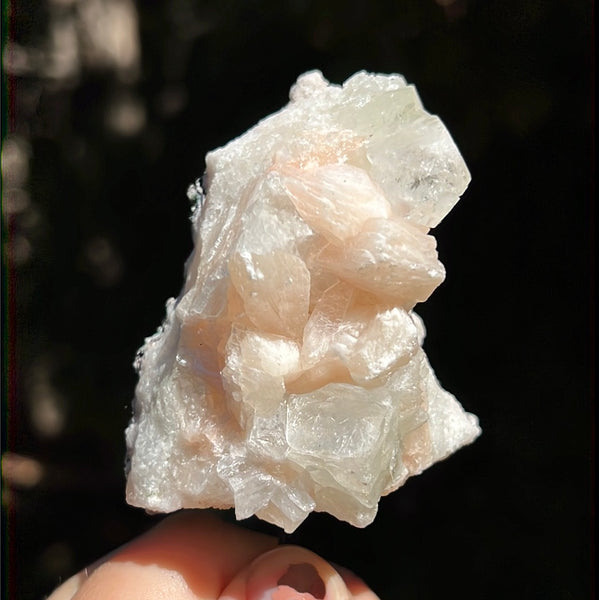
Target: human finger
(293, 573)
(189, 556)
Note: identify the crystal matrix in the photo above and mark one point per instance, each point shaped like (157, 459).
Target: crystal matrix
(289, 375)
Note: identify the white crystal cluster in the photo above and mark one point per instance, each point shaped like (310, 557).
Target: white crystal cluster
(289, 375)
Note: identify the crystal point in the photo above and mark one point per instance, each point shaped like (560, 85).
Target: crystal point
(289, 375)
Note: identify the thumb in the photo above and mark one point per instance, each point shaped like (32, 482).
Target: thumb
(290, 573)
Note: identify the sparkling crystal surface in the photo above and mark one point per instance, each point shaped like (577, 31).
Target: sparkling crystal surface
(289, 375)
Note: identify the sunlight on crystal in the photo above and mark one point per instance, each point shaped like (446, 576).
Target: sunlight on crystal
(289, 375)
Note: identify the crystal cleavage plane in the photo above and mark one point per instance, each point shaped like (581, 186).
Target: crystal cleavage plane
(289, 375)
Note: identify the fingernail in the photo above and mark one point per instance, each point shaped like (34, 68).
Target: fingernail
(291, 573)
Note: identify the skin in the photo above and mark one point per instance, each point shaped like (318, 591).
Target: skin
(193, 555)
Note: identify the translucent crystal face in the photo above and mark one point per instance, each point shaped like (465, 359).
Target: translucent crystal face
(289, 375)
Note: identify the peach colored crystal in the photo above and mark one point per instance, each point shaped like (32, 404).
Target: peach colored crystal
(289, 375)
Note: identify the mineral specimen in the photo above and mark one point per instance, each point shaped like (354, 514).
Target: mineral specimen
(289, 375)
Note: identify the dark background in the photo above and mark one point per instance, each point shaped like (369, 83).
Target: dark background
(101, 140)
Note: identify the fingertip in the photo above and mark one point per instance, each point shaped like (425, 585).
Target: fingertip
(192, 554)
(288, 573)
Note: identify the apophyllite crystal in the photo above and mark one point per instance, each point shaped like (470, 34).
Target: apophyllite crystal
(289, 375)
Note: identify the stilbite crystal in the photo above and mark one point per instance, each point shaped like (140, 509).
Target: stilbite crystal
(289, 375)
